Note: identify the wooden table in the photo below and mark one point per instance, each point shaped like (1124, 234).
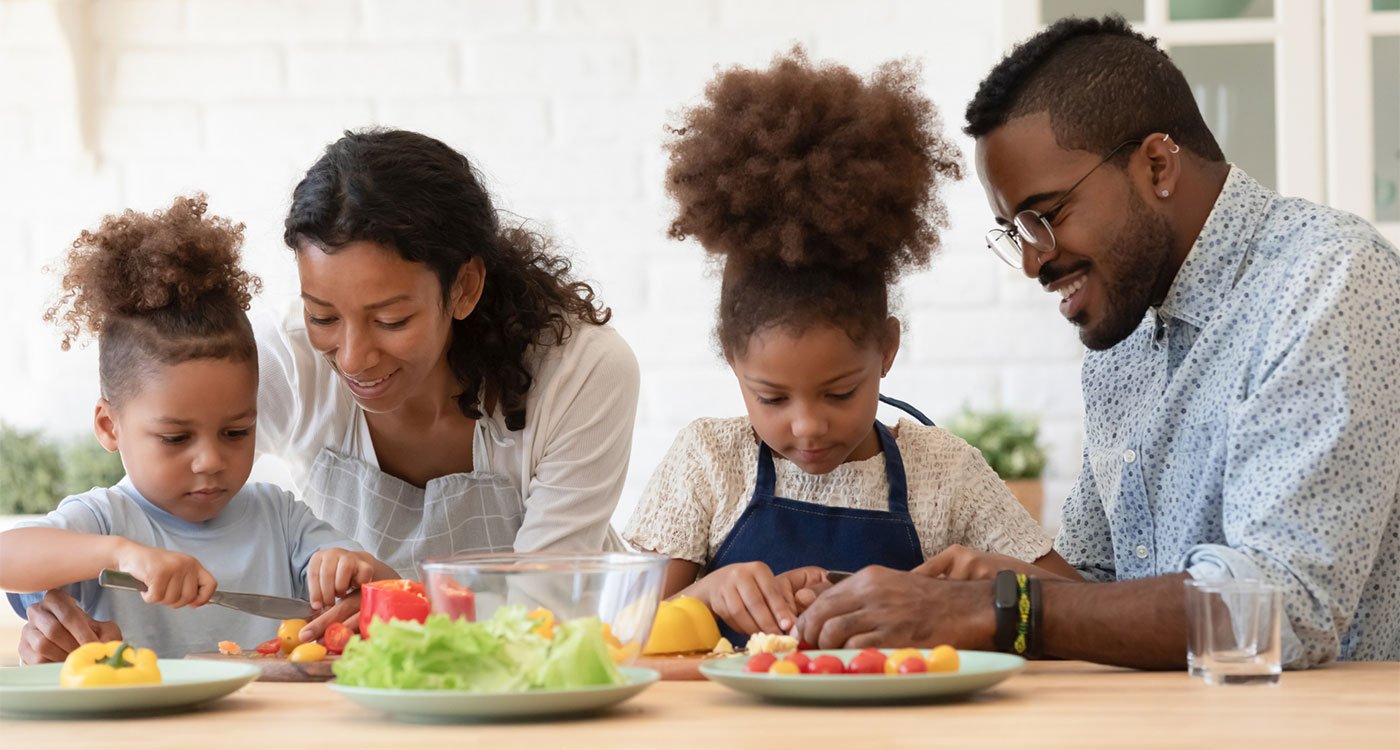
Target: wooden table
(1051, 705)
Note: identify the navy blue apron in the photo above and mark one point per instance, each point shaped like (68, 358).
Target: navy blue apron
(787, 533)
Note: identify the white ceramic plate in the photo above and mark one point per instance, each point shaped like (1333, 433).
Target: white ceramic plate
(34, 691)
(460, 705)
(977, 670)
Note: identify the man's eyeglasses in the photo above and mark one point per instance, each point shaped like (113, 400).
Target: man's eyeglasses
(1031, 227)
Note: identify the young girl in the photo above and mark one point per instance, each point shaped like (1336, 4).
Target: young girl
(166, 298)
(817, 189)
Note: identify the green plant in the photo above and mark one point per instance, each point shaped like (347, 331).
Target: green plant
(37, 472)
(1008, 441)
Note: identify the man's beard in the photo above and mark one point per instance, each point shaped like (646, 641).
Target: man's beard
(1133, 272)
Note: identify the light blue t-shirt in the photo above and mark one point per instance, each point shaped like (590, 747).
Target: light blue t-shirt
(260, 544)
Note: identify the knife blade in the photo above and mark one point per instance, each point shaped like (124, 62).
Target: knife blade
(275, 607)
(837, 576)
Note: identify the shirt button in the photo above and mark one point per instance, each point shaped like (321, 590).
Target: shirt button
(1129, 456)
(1141, 551)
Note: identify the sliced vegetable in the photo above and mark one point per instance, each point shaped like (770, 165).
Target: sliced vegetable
(229, 648)
(289, 633)
(337, 635)
(682, 625)
(394, 599)
(109, 664)
(269, 647)
(452, 598)
(308, 652)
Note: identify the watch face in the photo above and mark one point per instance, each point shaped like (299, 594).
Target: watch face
(1007, 593)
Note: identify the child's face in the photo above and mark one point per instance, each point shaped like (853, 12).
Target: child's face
(186, 438)
(380, 321)
(812, 397)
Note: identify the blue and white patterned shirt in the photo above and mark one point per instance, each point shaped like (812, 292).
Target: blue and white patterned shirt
(1250, 426)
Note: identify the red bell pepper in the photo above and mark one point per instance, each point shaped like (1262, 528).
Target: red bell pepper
(392, 600)
(452, 598)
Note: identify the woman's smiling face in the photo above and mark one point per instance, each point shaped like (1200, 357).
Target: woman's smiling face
(378, 319)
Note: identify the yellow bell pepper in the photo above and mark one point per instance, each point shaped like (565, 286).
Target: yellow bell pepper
(544, 623)
(109, 664)
(682, 625)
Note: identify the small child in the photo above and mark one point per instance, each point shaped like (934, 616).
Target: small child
(817, 189)
(166, 298)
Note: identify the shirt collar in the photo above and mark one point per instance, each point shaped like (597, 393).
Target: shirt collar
(1216, 260)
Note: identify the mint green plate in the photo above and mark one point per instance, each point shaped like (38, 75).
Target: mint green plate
(977, 670)
(460, 705)
(185, 683)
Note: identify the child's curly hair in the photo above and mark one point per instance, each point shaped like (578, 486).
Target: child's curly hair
(817, 187)
(157, 289)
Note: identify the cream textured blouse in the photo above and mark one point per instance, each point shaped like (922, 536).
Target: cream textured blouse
(705, 481)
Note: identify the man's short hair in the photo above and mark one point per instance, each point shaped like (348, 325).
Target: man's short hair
(1101, 82)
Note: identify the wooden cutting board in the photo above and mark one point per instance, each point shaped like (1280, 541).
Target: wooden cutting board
(676, 667)
(279, 668)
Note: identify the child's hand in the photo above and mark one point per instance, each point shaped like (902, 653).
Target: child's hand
(749, 597)
(172, 578)
(333, 572)
(807, 583)
(959, 563)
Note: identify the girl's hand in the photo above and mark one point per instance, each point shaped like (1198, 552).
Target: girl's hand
(334, 572)
(959, 563)
(172, 578)
(749, 597)
(807, 584)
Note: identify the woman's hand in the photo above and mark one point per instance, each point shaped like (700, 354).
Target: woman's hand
(56, 626)
(172, 578)
(333, 572)
(347, 610)
(751, 599)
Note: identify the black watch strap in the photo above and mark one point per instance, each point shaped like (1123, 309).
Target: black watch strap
(1006, 599)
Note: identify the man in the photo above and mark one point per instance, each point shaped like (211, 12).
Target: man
(1242, 388)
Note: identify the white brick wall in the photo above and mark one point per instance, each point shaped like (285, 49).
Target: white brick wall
(560, 102)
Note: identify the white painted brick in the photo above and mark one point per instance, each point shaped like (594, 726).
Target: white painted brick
(1045, 388)
(669, 336)
(790, 14)
(433, 19)
(940, 391)
(686, 281)
(679, 65)
(675, 397)
(628, 15)
(594, 65)
(292, 129)
(540, 175)
(468, 123)
(140, 130)
(252, 21)
(590, 119)
(41, 76)
(991, 335)
(29, 24)
(403, 70)
(138, 21)
(14, 133)
(201, 74)
(56, 190)
(16, 260)
(953, 281)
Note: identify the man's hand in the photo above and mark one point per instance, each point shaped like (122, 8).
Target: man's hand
(888, 608)
(56, 626)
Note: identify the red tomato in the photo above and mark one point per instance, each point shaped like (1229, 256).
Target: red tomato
(912, 665)
(825, 664)
(800, 659)
(869, 661)
(804, 646)
(270, 647)
(392, 600)
(760, 663)
(337, 635)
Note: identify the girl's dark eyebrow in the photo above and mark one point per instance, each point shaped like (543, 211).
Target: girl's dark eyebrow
(770, 384)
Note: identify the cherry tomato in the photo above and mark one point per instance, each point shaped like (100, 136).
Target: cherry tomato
(289, 632)
(269, 647)
(943, 659)
(898, 657)
(804, 646)
(760, 663)
(337, 635)
(825, 664)
(912, 665)
(785, 666)
(308, 652)
(869, 661)
(800, 659)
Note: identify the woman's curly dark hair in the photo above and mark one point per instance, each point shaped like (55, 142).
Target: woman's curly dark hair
(157, 289)
(816, 186)
(416, 195)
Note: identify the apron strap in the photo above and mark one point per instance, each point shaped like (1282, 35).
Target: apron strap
(894, 471)
(907, 408)
(766, 482)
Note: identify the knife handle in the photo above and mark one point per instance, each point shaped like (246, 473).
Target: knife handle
(115, 579)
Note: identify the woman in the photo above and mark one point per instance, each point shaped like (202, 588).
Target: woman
(444, 386)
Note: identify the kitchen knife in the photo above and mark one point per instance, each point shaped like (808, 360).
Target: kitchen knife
(275, 607)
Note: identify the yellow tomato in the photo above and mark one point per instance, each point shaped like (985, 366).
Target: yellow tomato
(898, 657)
(784, 666)
(943, 659)
(289, 633)
(308, 652)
